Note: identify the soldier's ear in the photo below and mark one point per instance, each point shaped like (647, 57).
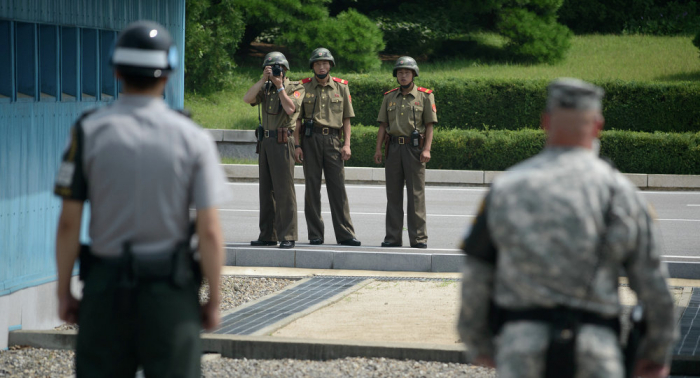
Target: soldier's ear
(599, 124)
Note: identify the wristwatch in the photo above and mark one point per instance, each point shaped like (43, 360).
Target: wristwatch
(297, 146)
(280, 90)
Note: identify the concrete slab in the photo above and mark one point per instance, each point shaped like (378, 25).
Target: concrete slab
(314, 259)
(229, 256)
(441, 176)
(674, 181)
(447, 262)
(275, 257)
(386, 311)
(378, 174)
(358, 174)
(240, 171)
(299, 172)
(640, 180)
(217, 135)
(4, 317)
(489, 176)
(239, 136)
(300, 272)
(382, 261)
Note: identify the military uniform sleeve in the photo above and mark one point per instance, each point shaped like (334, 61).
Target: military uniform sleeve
(429, 110)
(477, 288)
(296, 93)
(260, 97)
(647, 277)
(70, 181)
(209, 188)
(348, 111)
(383, 117)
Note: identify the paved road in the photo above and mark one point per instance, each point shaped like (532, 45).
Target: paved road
(450, 211)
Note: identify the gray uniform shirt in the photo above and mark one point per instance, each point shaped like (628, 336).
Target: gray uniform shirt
(141, 165)
(562, 224)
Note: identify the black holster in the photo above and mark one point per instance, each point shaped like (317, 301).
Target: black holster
(637, 332)
(259, 135)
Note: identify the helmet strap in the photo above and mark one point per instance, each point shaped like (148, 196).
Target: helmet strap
(404, 86)
(321, 77)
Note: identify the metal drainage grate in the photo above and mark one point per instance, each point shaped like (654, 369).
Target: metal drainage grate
(689, 328)
(284, 304)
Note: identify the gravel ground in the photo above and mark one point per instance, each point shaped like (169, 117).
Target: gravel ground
(235, 291)
(347, 367)
(30, 362)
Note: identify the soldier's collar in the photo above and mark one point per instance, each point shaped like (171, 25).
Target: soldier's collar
(413, 92)
(317, 83)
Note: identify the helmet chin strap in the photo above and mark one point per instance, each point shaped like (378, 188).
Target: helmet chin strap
(405, 86)
(322, 76)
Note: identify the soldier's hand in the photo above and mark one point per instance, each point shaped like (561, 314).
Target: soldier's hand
(648, 369)
(277, 81)
(267, 73)
(378, 157)
(345, 153)
(425, 156)
(210, 315)
(484, 361)
(298, 155)
(68, 308)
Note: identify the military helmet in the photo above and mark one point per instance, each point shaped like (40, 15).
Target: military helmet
(275, 57)
(321, 53)
(408, 63)
(144, 48)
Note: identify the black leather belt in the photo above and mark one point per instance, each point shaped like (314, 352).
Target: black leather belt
(400, 139)
(326, 130)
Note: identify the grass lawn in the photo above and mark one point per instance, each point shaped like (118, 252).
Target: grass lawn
(595, 57)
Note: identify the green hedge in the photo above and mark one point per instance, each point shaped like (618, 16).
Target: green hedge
(515, 105)
(496, 150)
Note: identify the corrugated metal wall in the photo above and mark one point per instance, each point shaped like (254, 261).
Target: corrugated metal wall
(34, 133)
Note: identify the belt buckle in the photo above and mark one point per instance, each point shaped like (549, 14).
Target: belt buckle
(325, 131)
(402, 140)
(267, 133)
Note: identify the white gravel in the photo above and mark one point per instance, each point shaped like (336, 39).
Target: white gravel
(31, 362)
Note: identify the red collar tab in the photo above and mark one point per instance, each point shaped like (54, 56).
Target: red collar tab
(391, 90)
(307, 80)
(341, 81)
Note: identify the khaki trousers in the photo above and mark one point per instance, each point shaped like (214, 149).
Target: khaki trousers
(278, 201)
(322, 154)
(403, 165)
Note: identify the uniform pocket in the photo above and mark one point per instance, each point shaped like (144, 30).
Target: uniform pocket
(308, 108)
(337, 105)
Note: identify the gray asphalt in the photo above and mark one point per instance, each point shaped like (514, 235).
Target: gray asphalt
(450, 211)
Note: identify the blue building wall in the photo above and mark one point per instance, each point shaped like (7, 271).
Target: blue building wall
(53, 66)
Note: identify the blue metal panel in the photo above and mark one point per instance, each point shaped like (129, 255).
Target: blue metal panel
(6, 59)
(88, 64)
(25, 45)
(33, 134)
(48, 61)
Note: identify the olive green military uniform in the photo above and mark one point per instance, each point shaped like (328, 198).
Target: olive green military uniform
(278, 203)
(327, 105)
(403, 113)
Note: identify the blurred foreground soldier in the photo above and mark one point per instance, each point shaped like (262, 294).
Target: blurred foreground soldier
(406, 122)
(141, 166)
(278, 100)
(544, 255)
(324, 147)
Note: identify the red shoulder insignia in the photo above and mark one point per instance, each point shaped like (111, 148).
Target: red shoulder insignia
(307, 80)
(426, 90)
(391, 90)
(339, 80)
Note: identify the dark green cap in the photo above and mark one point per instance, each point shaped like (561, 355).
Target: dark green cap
(275, 57)
(321, 53)
(408, 63)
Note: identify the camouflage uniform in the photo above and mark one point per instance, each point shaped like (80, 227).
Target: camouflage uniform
(560, 225)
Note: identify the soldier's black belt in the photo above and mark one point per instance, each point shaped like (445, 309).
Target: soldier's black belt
(558, 315)
(148, 267)
(327, 130)
(400, 139)
(272, 133)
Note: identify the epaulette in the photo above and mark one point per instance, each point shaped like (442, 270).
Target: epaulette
(341, 81)
(307, 80)
(391, 90)
(426, 90)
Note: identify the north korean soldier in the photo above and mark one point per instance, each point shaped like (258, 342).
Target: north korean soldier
(278, 99)
(142, 166)
(545, 252)
(324, 146)
(406, 122)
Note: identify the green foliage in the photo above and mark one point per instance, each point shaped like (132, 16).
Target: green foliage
(655, 17)
(354, 40)
(696, 40)
(212, 32)
(533, 37)
(496, 150)
(409, 38)
(518, 104)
